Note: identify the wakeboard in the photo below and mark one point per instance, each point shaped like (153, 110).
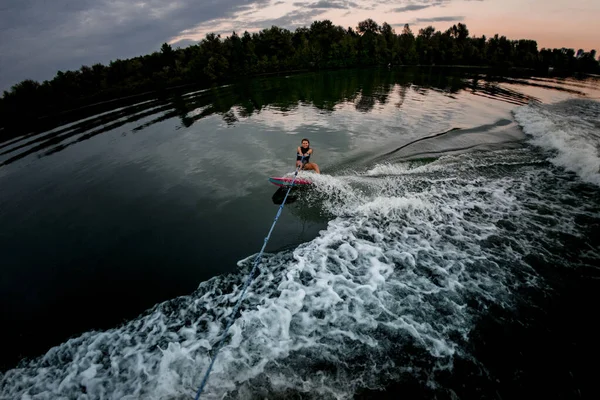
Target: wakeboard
(282, 181)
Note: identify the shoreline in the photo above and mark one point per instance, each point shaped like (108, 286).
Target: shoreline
(12, 130)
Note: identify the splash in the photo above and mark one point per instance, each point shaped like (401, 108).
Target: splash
(570, 131)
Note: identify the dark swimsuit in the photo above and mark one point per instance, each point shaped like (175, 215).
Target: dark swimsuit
(306, 157)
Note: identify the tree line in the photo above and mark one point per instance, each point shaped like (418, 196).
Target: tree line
(323, 45)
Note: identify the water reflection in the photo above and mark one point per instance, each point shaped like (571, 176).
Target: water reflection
(366, 89)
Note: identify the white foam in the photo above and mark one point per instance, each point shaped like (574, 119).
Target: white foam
(571, 131)
(406, 262)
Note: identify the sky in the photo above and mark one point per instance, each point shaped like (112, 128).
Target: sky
(40, 37)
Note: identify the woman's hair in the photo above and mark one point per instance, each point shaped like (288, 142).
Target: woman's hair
(304, 140)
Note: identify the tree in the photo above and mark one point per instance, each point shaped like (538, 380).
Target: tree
(408, 50)
(367, 26)
(216, 67)
(166, 50)
(427, 33)
(459, 32)
(167, 56)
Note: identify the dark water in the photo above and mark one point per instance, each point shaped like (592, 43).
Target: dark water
(449, 249)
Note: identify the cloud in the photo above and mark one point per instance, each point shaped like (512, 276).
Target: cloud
(183, 43)
(39, 38)
(421, 5)
(411, 7)
(290, 20)
(325, 4)
(416, 3)
(439, 19)
(420, 21)
(225, 26)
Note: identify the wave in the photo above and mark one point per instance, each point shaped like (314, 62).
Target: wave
(570, 131)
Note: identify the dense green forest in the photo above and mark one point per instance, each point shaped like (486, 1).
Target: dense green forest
(320, 46)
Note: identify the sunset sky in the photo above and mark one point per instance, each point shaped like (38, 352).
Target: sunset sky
(37, 38)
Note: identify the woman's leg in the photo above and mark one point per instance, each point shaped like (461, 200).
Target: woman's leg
(312, 166)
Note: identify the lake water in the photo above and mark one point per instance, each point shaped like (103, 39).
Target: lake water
(449, 248)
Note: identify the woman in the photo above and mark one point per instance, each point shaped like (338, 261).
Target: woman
(306, 151)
